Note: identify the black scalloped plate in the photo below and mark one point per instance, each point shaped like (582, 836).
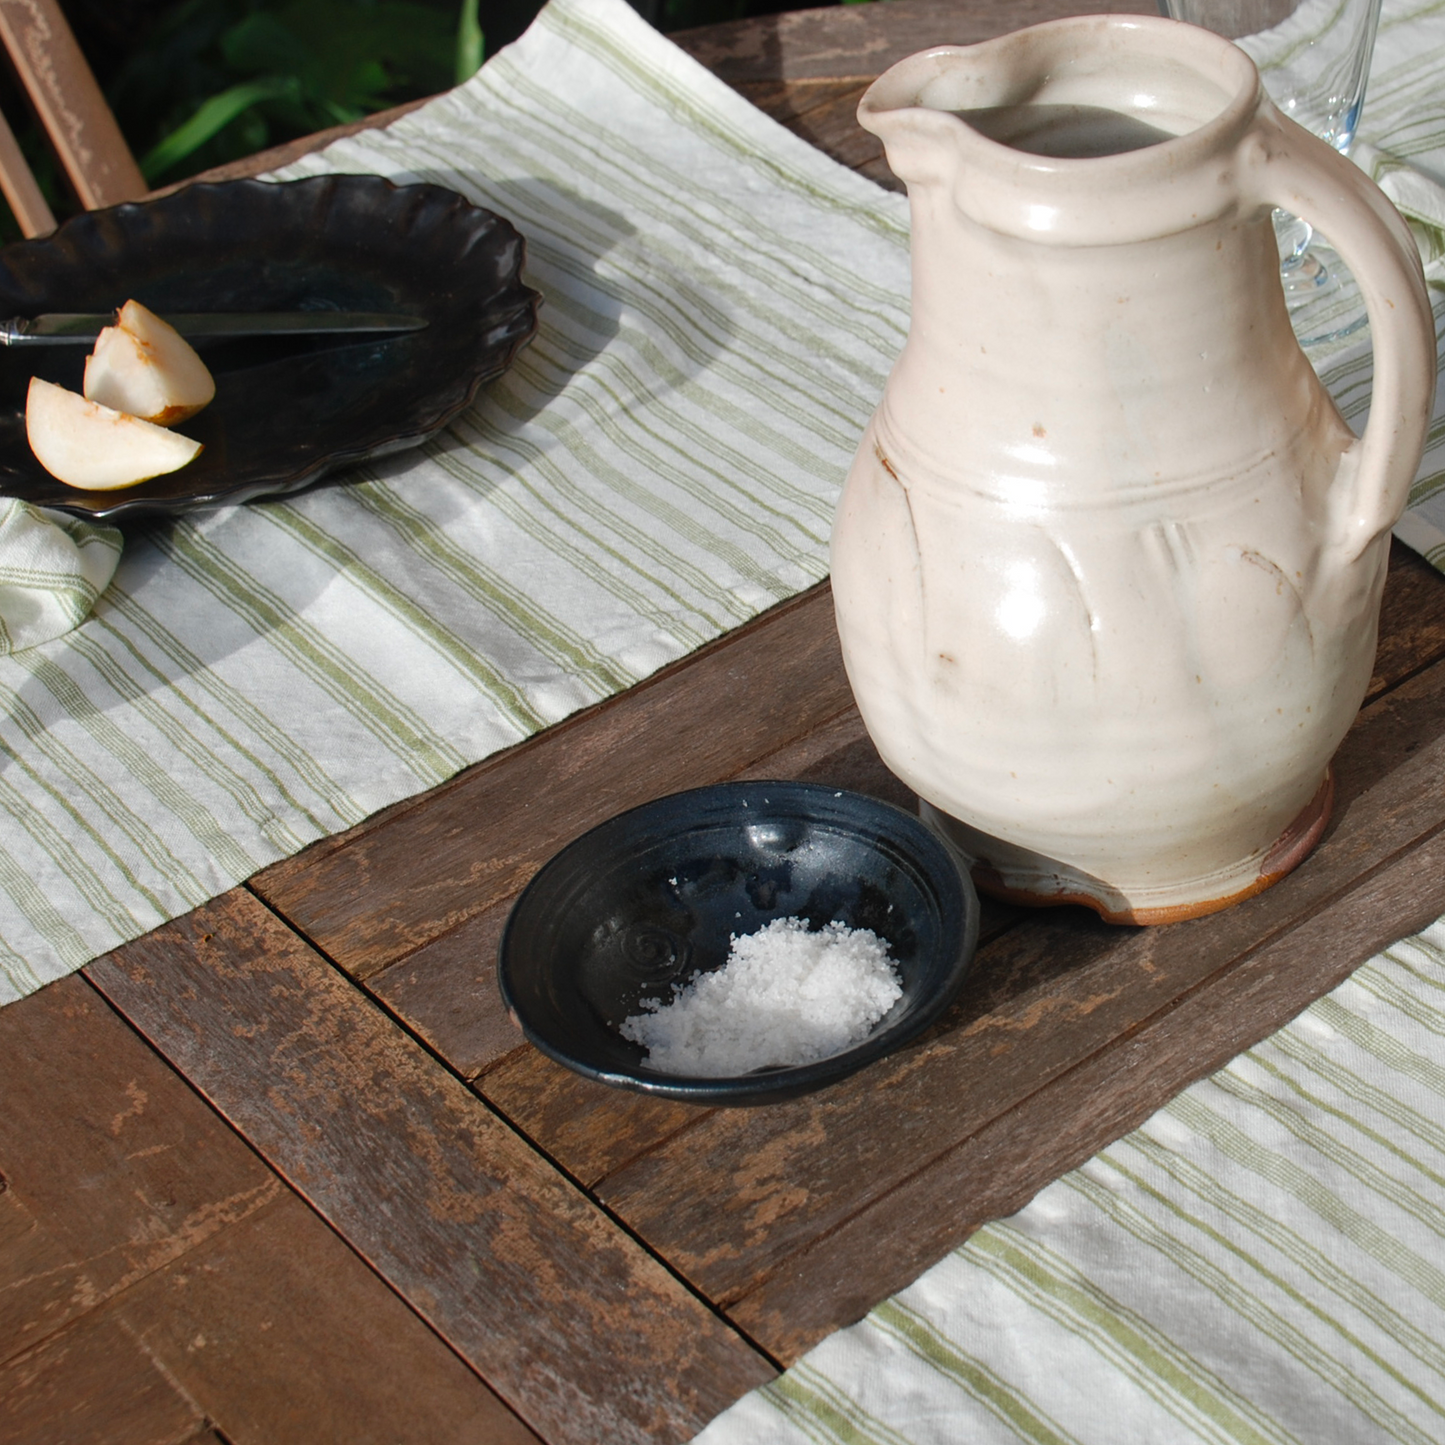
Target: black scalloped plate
(286, 412)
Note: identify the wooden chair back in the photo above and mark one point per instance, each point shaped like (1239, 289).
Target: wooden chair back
(77, 120)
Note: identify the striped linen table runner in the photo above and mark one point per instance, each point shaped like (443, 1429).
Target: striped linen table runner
(722, 306)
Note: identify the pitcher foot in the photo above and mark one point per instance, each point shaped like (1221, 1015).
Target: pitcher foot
(1030, 879)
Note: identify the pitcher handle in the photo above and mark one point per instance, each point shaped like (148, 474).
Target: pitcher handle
(1303, 175)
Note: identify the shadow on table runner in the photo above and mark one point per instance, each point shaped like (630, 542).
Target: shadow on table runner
(721, 305)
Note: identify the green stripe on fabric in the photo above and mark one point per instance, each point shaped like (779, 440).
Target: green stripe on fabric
(533, 476)
(229, 702)
(198, 753)
(390, 722)
(109, 825)
(136, 763)
(1168, 1238)
(1000, 1397)
(1311, 1261)
(606, 48)
(1157, 1365)
(1269, 1164)
(420, 626)
(515, 609)
(39, 912)
(808, 1400)
(56, 847)
(688, 204)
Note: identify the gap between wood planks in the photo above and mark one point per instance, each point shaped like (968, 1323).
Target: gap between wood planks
(581, 1330)
(157, 1277)
(642, 1131)
(421, 1042)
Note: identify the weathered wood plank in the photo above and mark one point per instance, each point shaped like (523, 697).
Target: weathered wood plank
(370, 896)
(737, 1196)
(593, 1131)
(124, 1197)
(280, 1334)
(62, 88)
(582, 1333)
(998, 1170)
(589, 1129)
(1412, 620)
(825, 114)
(116, 1167)
(93, 1384)
(446, 990)
(864, 40)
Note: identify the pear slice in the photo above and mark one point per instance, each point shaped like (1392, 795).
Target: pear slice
(144, 367)
(84, 444)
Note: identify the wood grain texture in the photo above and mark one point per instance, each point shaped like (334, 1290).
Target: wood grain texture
(402, 879)
(446, 989)
(446, 992)
(113, 1167)
(17, 182)
(825, 114)
(67, 99)
(862, 41)
(796, 1219)
(94, 1384)
(593, 1131)
(1412, 620)
(590, 1129)
(996, 1171)
(282, 1336)
(735, 1198)
(141, 1239)
(578, 1329)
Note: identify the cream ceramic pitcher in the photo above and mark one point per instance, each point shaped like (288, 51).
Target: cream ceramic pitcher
(1107, 567)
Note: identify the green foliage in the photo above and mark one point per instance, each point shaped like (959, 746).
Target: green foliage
(216, 80)
(220, 79)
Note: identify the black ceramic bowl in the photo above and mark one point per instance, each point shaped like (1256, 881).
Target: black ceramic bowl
(653, 895)
(286, 411)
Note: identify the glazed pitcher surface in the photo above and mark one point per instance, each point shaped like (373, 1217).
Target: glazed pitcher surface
(1107, 566)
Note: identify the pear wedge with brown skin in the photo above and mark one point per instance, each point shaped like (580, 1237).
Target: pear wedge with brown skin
(84, 444)
(143, 366)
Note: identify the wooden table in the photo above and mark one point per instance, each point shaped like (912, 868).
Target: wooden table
(283, 1170)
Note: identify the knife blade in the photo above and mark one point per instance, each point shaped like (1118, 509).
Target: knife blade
(62, 328)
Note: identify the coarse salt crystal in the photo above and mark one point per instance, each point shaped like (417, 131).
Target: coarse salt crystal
(785, 996)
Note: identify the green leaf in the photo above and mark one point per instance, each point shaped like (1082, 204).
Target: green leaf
(214, 114)
(469, 41)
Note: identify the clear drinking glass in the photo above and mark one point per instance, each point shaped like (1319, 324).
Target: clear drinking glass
(1314, 59)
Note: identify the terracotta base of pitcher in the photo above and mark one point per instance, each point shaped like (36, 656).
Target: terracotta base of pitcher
(1062, 884)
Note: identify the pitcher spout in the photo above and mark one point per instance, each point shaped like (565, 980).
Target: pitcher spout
(1003, 125)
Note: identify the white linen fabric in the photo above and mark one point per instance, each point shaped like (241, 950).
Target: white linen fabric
(722, 305)
(52, 568)
(1262, 1263)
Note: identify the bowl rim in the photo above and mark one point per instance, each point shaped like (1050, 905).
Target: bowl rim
(937, 864)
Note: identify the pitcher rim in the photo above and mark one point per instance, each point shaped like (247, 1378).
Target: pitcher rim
(892, 110)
